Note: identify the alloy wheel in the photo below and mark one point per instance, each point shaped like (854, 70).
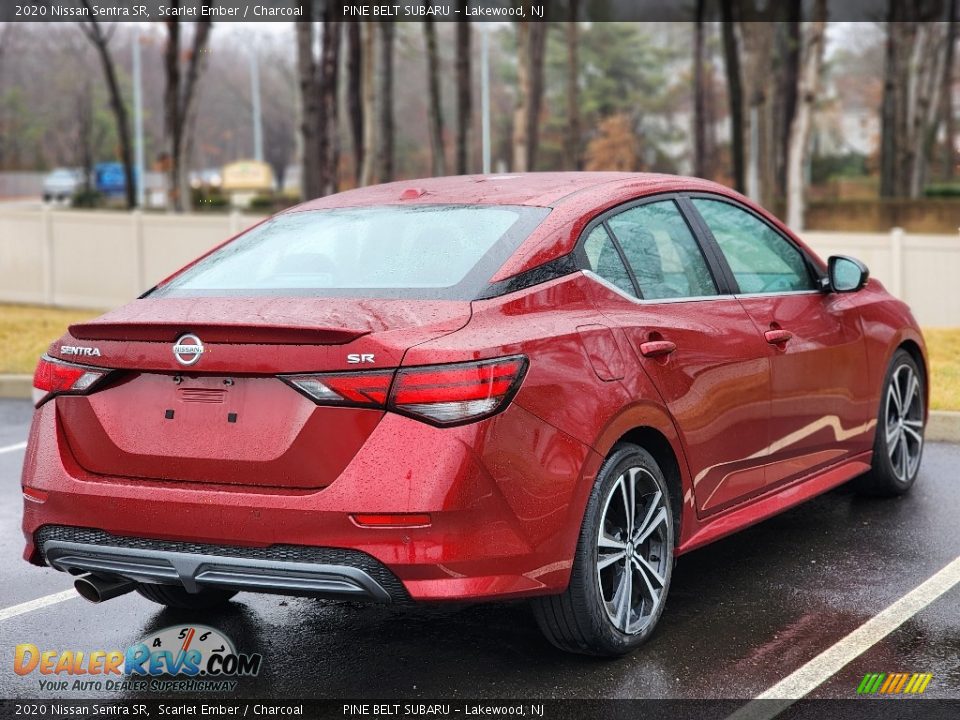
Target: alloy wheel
(633, 550)
(903, 425)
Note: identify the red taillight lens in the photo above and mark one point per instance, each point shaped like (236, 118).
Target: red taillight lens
(358, 389)
(457, 393)
(438, 394)
(55, 377)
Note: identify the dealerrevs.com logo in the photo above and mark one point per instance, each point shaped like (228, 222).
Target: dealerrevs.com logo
(187, 658)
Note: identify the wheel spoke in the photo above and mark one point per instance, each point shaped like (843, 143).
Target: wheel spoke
(632, 500)
(903, 456)
(605, 541)
(654, 504)
(607, 560)
(915, 424)
(651, 592)
(622, 600)
(659, 519)
(622, 481)
(908, 430)
(912, 386)
(893, 430)
(894, 394)
(892, 446)
(645, 567)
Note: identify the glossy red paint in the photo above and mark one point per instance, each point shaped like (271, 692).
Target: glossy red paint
(743, 427)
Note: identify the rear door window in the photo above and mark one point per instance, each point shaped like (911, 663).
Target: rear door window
(662, 252)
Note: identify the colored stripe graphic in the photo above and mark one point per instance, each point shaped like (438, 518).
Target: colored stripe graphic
(894, 683)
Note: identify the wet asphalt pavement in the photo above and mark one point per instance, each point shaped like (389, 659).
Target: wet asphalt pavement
(742, 613)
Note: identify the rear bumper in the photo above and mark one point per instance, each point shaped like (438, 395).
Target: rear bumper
(505, 498)
(288, 570)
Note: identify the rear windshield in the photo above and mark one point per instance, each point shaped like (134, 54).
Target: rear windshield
(423, 252)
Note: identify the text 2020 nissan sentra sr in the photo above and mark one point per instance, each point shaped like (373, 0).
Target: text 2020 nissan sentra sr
(472, 388)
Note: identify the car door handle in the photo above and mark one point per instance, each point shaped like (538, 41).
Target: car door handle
(657, 348)
(777, 337)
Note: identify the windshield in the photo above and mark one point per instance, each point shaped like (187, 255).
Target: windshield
(423, 251)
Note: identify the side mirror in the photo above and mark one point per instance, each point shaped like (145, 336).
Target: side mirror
(846, 274)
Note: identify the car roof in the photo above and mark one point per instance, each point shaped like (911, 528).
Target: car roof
(541, 189)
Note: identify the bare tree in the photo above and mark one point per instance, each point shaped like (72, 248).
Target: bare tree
(101, 41)
(464, 95)
(435, 110)
(310, 183)
(699, 94)
(915, 59)
(385, 91)
(789, 88)
(368, 58)
(946, 94)
(354, 99)
(731, 56)
(572, 156)
(318, 92)
(328, 146)
(809, 81)
(531, 42)
(179, 102)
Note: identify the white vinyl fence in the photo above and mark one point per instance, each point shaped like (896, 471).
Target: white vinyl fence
(103, 259)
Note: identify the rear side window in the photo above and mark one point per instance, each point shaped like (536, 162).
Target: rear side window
(762, 260)
(605, 260)
(420, 252)
(662, 252)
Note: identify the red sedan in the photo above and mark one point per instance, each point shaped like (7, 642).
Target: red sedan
(473, 388)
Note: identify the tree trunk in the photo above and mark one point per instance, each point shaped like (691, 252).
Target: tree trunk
(538, 46)
(354, 99)
(179, 97)
(731, 56)
(520, 136)
(929, 78)
(572, 145)
(946, 96)
(93, 31)
(807, 89)
(385, 90)
(464, 94)
(310, 185)
(888, 109)
(434, 111)
(367, 62)
(699, 96)
(789, 91)
(327, 127)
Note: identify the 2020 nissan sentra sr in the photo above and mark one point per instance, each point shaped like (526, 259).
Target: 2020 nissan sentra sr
(471, 388)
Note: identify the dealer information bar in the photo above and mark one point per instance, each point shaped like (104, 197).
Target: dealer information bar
(412, 10)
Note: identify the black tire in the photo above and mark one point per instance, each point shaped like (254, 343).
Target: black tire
(894, 470)
(579, 620)
(176, 597)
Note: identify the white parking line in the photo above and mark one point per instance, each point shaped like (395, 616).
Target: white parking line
(825, 665)
(13, 448)
(42, 602)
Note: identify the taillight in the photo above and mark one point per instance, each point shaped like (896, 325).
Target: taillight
(357, 389)
(438, 394)
(55, 377)
(457, 393)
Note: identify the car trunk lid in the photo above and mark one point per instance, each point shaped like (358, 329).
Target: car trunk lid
(227, 418)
